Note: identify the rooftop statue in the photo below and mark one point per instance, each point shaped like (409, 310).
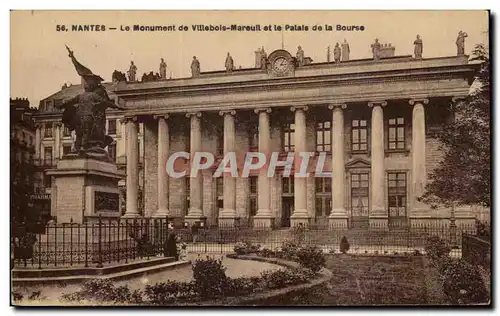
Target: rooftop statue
(229, 63)
(195, 67)
(345, 50)
(132, 72)
(376, 49)
(163, 69)
(336, 53)
(300, 56)
(85, 114)
(419, 47)
(461, 43)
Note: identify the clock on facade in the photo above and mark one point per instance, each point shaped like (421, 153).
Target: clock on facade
(281, 65)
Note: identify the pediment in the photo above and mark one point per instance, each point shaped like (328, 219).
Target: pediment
(358, 163)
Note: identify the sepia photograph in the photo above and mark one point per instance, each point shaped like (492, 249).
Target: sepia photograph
(250, 158)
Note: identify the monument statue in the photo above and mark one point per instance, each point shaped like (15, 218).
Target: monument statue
(229, 63)
(85, 114)
(345, 50)
(419, 47)
(163, 69)
(195, 67)
(336, 53)
(300, 56)
(376, 49)
(131, 72)
(263, 58)
(461, 43)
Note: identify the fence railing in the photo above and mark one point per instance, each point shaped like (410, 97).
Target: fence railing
(477, 250)
(100, 241)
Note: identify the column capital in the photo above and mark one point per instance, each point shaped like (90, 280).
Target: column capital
(421, 101)
(159, 116)
(230, 112)
(375, 103)
(341, 106)
(258, 110)
(190, 114)
(296, 108)
(127, 119)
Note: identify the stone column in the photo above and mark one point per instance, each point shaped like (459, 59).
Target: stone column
(132, 181)
(338, 216)
(37, 141)
(163, 150)
(300, 214)
(228, 215)
(378, 214)
(263, 218)
(418, 171)
(57, 138)
(195, 212)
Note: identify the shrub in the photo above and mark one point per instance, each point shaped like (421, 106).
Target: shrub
(436, 248)
(311, 257)
(170, 291)
(103, 290)
(289, 250)
(245, 285)
(17, 296)
(462, 283)
(246, 247)
(266, 253)
(285, 277)
(344, 245)
(210, 278)
(240, 248)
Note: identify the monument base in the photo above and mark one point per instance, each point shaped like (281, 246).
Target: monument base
(84, 187)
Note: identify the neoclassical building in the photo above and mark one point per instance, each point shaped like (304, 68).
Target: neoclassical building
(374, 119)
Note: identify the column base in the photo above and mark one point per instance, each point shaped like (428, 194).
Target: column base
(262, 221)
(379, 223)
(299, 217)
(194, 213)
(131, 215)
(161, 213)
(227, 222)
(337, 222)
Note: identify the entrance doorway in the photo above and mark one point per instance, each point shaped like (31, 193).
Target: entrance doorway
(359, 200)
(287, 210)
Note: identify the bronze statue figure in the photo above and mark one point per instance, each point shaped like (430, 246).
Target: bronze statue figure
(85, 114)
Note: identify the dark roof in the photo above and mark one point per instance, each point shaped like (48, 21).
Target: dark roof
(73, 90)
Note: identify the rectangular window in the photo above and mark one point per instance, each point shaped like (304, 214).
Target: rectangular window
(219, 186)
(66, 149)
(57, 102)
(253, 138)
(359, 194)
(323, 196)
(47, 181)
(396, 133)
(220, 142)
(253, 184)
(359, 135)
(112, 127)
(323, 136)
(48, 156)
(48, 130)
(49, 105)
(287, 185)
(253, 206)
(66, 131)
(397, 193)
(288, 137)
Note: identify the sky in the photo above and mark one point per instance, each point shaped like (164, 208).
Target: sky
(40, 64)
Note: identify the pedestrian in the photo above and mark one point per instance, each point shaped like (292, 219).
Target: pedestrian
(170, 246)
(181, 249)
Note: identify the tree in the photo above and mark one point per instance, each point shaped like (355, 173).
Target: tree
(464, 175)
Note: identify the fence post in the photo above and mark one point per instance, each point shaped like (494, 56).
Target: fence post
(118, 239)
(99, 243)
(71, 242)
(40, 249)
(55, 245)
(86, 243)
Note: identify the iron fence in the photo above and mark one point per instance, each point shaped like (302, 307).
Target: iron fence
(100, 241)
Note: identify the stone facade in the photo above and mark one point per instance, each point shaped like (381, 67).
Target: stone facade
(382, 154)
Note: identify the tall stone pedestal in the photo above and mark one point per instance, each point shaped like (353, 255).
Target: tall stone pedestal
(84, 187)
